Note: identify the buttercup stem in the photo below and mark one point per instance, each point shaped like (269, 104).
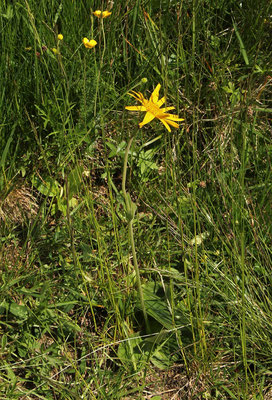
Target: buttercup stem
(130, 231)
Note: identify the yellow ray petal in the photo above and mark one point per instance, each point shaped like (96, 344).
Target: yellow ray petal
(167, 109)
(155, 95)
(162, 115)
(173, 117)
(148, 117)
(136, 93)
(135, 108)
(166, 125)
(168, 121)
(132, 95)
(135, 97)
(161, 102)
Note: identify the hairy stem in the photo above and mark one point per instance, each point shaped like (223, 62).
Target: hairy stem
(130, 217)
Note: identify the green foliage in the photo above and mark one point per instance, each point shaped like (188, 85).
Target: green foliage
(72, 323)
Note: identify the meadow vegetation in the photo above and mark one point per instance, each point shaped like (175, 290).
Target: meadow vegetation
(78, 320)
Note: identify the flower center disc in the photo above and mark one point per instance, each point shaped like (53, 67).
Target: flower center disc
(152, 108)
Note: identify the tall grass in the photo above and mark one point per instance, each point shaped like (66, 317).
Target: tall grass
(72, 322)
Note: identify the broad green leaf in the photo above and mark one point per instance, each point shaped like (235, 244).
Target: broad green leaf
(75, 181)
(49, 187)
(130, 352)
(156, 307)
(18, 311)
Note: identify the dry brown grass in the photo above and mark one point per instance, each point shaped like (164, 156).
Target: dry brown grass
(18, 206)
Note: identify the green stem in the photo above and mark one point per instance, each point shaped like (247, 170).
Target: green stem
(124, 178)
(130, 216)
(138, 278)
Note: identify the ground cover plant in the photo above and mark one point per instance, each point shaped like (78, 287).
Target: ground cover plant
(135, 260)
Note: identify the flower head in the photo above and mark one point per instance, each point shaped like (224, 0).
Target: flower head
(60, 36)
(97, 13)
(153, 110)
(55, 51)
(100, 14)
(106, 14)
(89, 44)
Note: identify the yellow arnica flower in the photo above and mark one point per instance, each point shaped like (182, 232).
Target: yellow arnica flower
(153, 110)
(100, 14)
(89, 44)
(60, 36)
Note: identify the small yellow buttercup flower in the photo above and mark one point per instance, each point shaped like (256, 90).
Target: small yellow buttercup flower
(106, 14)
(153, 110)
(60, 36)
(89, 44)
(97, 13)
(55, 51)
(100, 14)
